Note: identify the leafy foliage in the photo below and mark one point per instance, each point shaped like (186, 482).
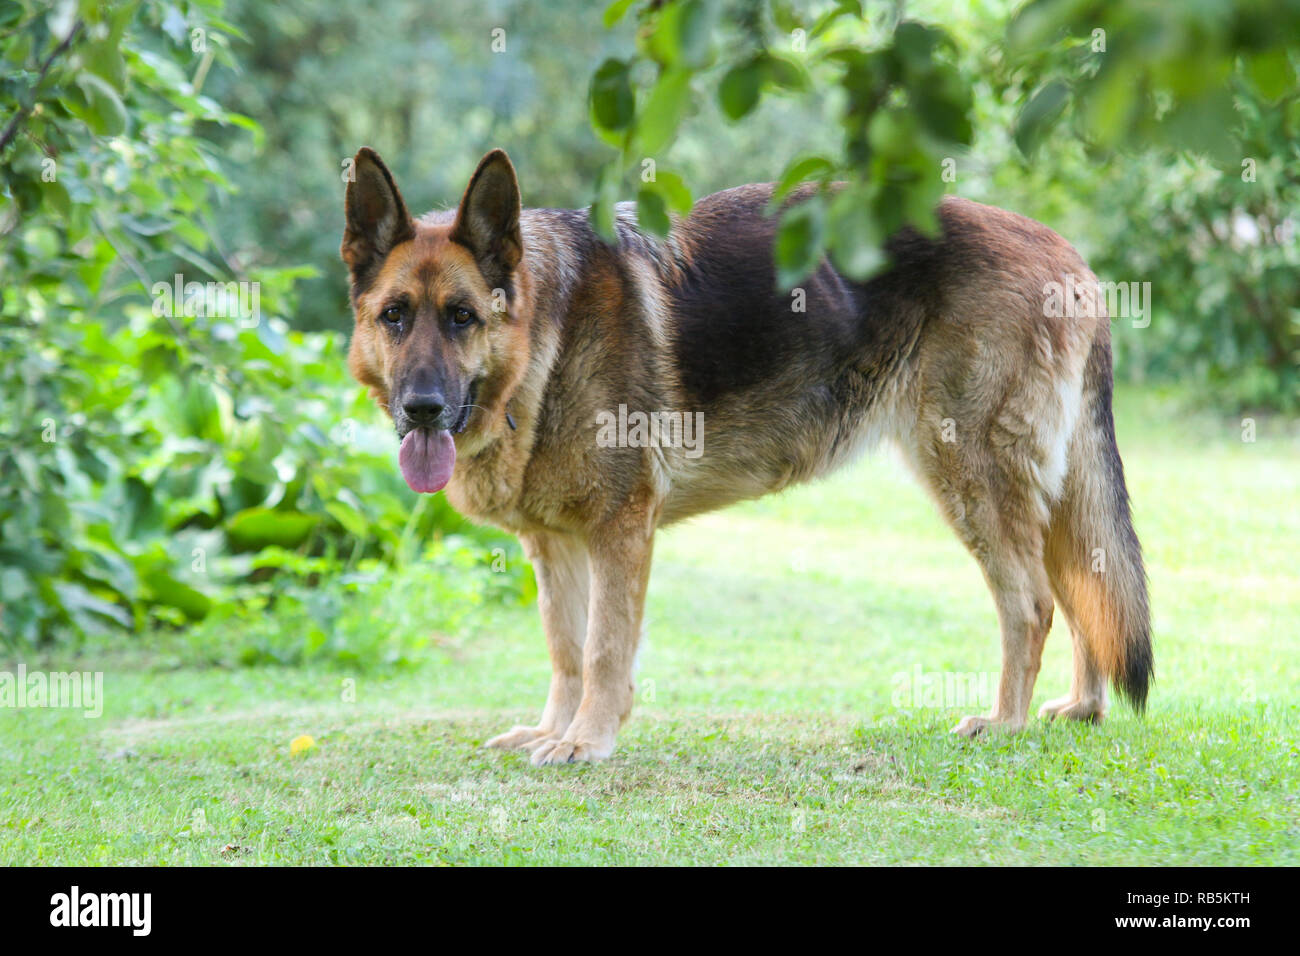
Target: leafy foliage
(904, 106)
(1162, 137)
(171, 450)
(432, 86)
(1136, 75)
(1189, 118)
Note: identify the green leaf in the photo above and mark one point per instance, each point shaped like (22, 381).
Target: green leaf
(259, 527)
(1108, 104)
(685, 34)
(196, 408)
(853, 236)
(162, 588)
(741, 87)
(351, 517)
(802, 170)
(104, 56)
(1204, 126)
(785, 16)
(799, 240)
(828, 19)
(893, 134)
(663, 112)
(915, 43)
(786, 73)
(651, 213)
(673, 190)
(942, 101)
(899, 204)
(692, 24)
(97, 105)
(1272, 73)
(613, 104)
(616, 11)
(1040, 114)
(104, 59)
(76, 599)
(602, 214)
(1035, 27)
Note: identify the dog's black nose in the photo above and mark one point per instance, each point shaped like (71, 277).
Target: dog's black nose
(423, 408)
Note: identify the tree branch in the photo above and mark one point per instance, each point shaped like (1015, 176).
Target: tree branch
(11, 129)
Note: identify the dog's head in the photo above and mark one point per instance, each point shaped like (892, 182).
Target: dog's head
(437, 340)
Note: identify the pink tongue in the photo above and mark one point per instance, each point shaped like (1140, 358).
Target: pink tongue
(427, 459)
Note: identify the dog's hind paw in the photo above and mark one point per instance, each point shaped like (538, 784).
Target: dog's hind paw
(1071, 708)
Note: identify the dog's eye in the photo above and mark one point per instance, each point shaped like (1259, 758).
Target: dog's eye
(392, 315)
(461, 316)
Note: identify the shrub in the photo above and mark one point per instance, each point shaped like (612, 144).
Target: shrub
(166, 458)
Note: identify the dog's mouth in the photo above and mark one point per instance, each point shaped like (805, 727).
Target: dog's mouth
(471, 394)
(428, 456)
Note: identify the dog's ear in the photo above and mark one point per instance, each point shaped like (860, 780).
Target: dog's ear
(377, 219)
(487, 222)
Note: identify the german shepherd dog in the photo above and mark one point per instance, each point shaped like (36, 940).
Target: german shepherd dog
(498, 339)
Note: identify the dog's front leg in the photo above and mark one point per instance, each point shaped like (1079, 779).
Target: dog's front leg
(620, 570)
(560, 566)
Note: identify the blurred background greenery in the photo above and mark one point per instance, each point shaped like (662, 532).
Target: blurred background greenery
(225, 480)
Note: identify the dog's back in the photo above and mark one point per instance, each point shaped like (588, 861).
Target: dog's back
(996, 392)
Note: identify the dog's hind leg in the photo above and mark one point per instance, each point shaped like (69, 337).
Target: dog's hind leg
(981, 474)
(1086, 700)
(560, 564)
(1024, 604)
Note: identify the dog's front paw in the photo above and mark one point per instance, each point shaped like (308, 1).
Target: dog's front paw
(548, 752)
(567, 751)
(522, 738)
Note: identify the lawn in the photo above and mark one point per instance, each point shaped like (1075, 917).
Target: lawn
(774, 722)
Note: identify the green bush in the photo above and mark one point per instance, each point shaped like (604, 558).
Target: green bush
(153, 472)
(169, 459)
(368, 617)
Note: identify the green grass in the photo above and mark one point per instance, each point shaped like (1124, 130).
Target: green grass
(767, 730)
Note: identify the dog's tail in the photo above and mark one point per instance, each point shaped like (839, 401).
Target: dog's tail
(1093, 554)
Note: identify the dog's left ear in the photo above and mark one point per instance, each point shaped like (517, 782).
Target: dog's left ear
(487, 222)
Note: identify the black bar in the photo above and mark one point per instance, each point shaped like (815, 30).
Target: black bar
(302, 905)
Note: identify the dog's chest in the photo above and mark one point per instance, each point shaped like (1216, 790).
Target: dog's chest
(485, 489)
